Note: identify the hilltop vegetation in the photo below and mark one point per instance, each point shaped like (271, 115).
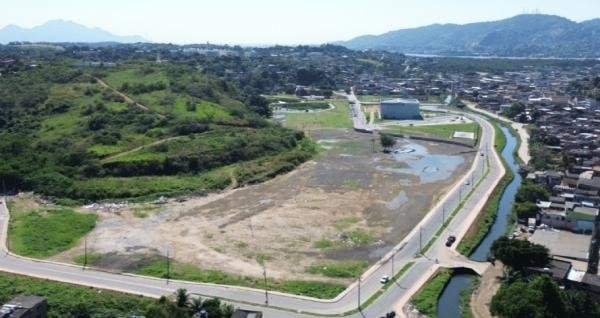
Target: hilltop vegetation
(138, 130)
(523, 35)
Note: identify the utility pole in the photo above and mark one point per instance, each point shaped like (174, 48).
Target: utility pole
(443, 214)
(420, 239)
(266, 286)
(84, 252)
(393, 265)
(359, 281)
(168, 267)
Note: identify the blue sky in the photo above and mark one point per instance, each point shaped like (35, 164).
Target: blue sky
(276, 21)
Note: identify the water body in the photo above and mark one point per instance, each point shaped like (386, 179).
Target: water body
(428, 167)
(449, 302)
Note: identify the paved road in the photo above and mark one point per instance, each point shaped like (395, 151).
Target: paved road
(394, 298)
(359, 119)
(523, 150)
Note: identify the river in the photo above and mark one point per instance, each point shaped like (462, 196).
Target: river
(449, 302)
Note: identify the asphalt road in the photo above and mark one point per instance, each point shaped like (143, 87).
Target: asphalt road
(394, 298)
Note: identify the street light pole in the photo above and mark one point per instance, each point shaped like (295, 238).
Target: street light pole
(443, 214)
(84, 252)
(266, 286)
(359, 280)
(168, 266)
(393, 265)
(420, 239)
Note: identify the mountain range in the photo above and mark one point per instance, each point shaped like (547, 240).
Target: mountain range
(527, 35)
(62, 31)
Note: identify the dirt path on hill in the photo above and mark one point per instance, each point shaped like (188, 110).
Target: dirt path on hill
(121, 154)
(482, 296)
(125, 97)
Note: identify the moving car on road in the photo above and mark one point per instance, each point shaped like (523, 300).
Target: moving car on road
(451, 239)
(384, 279)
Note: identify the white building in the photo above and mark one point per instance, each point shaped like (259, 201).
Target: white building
(400, 109)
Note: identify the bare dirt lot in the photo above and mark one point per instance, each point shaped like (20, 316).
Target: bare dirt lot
(350, 203)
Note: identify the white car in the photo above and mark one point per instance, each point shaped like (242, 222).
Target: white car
(384, 279)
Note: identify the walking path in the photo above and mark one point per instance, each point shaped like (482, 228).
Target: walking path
(482, 296)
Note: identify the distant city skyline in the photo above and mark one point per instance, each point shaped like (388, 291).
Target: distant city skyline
(265, 22)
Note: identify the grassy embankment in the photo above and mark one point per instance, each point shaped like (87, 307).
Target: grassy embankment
(41, 233)
(65, 299)
(487, 216)
(465, 298)
(426, 299)
(186, 272)
(237, 174)
(369, 98)
(345, 269)
(339, 117)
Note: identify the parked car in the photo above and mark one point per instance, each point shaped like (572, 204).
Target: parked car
(451, 239)
(384, 279)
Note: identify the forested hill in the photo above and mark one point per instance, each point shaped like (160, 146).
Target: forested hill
(529, 35)
(138, 129)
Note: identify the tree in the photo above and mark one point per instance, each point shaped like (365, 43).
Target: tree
(580, 304)
(531, 192)
(526, 210)
(514, 110)
(181, 297)
(538, 298)
(520, 254)
(387, 141)
(259, 105)
(196, 304)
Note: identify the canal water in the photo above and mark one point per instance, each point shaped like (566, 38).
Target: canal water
(449, 305)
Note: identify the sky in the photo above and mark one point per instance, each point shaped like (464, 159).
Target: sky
(270, 22)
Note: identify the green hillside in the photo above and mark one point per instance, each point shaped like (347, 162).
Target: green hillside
(136, 130)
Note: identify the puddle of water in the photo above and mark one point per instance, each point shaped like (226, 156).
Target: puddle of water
(428, 167)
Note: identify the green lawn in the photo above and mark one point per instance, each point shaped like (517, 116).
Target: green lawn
(303, 106)
(369, 98)
(440, 131)
(42, 233)
(427, 298)
(179, 271)
(339, 117)
(283, 98)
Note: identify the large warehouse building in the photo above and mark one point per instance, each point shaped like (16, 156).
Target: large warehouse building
(400, 108)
